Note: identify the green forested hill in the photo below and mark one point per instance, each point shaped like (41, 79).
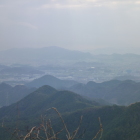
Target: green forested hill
(119, 122)
(45, 97)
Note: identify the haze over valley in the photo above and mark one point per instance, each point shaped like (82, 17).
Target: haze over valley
(24, 65)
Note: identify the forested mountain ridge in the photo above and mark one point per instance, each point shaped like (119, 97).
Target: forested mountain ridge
(45, 97)
(119, 122)
(114, 91)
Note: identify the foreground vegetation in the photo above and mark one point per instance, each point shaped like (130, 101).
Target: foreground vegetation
(46, 131)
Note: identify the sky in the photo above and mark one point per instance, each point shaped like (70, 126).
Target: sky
(86, 25)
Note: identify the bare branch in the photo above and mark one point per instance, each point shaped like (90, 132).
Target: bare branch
(100, 130)
(68, 134)
(28, 135)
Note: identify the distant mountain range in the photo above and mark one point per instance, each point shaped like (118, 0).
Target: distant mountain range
(114, 91)
(55, 55)
(19, 55)
(51, 81)
(9, 94)
(106, 93)
(32, 55)
(128, 77)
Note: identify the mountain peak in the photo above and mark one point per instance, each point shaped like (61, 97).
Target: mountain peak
(51, 81)
(46, 89)
(48, 76)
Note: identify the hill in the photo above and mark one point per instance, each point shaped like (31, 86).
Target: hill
(51, 81)
(9, 94)
(45, 97)
(118, 122)
(127, 77)
(114, 91)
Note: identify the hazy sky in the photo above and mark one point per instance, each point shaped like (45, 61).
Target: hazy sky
(71, 24)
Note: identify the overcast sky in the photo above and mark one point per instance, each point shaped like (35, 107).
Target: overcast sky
(71, 24)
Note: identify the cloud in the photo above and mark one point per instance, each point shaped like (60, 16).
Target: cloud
(29, 25)
(82, 4)
(1, 6)
(137, 2)
(61, 6)
(68, 4)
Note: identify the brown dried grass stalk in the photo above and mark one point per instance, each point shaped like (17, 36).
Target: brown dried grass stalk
(49, 133)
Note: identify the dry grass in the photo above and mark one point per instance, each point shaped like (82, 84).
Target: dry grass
(45, 128)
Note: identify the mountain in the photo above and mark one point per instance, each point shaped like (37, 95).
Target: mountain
(128, 77)
(114, 91)
(33, 106)
(51, 81)
(9, 94)
(37, 102)
(119, 122)
(39, 55)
